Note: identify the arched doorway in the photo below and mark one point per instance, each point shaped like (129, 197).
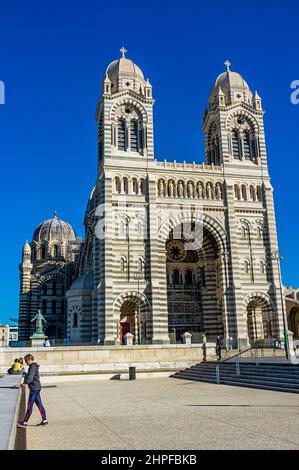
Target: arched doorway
(195, 285)
(294, 322)
(131, 312)
(259, 324)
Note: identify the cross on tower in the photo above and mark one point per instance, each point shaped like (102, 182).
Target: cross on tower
(227, 65)
(123, 51)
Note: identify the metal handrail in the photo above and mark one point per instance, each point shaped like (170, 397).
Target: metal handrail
(238, 354)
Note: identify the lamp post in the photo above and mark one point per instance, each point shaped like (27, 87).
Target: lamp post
(138, 276)
(277, 257)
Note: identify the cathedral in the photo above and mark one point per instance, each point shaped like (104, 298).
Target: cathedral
(170, 247)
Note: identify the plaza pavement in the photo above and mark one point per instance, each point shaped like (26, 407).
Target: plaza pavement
(164, 414)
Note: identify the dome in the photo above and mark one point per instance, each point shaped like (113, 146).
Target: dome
(26, 247)
(124, 74)
(54, 229)
(83, 283)
(123, 66)
(232, 85)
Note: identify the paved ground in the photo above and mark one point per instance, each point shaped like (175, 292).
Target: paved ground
(165, 414)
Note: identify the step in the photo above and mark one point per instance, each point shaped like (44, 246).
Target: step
(249, 373)
(242, 384)
(243, 379)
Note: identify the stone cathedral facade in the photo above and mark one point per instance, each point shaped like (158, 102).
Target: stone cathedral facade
(169, 247)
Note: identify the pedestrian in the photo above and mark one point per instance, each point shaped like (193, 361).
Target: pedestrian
(33, 381)
(218, 348)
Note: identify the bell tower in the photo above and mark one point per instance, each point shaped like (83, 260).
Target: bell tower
(125, 114)
(235, 143)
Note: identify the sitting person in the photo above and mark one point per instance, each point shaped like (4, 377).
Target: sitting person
(16, 367)
(22, 365)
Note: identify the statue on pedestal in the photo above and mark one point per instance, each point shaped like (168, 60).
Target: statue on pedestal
(39, 319)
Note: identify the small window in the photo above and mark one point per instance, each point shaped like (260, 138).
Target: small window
(123, 264)
(236, 145)
(121, 135)
(44, 289)
(44, 307)
(247, 266)
(75, 320)
(262, 267)
(189, 277)
(246, 146)
(176, 277)
(53, 307)
(56, 251)
(54, 288)
(43, 252)
(244, 232)
(140, 265)
(134, 136)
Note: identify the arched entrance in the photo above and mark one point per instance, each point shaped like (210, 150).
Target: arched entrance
(294, 322)
(259, 325)
(195, 284)
(131, 311)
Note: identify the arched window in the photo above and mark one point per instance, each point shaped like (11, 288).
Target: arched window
(244, 192)
(247, 266)
(123, 264)
(123, 228)
(135, 186)
(139, 228)
(202, 278)
(259, 193)
(244, 232)
(54, 287)
(189, 277)
(75, 320)
(252, 193)
(121, 135)
(126, 185)
(237, 192)
(55, 251)
(134, 136)
(44, 307)
(43, 252)
(44, 289)
(259, 233)
(140, 265)
(176, 276)
(246, 146)
(142, 186)
(262, 266)
(117, 185)
(236, 145)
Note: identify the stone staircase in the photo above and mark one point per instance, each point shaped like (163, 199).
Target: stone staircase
(281, 377)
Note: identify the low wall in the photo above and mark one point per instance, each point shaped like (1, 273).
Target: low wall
(10, 402)
(95, 359)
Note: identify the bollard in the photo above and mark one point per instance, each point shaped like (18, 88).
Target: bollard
(132, 373)
(217, 374)
(238, 366)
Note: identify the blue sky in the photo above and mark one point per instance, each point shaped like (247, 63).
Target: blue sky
(52, 59)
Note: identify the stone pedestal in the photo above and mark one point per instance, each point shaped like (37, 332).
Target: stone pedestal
(129, 339)
(37, 342)
(187, 338)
